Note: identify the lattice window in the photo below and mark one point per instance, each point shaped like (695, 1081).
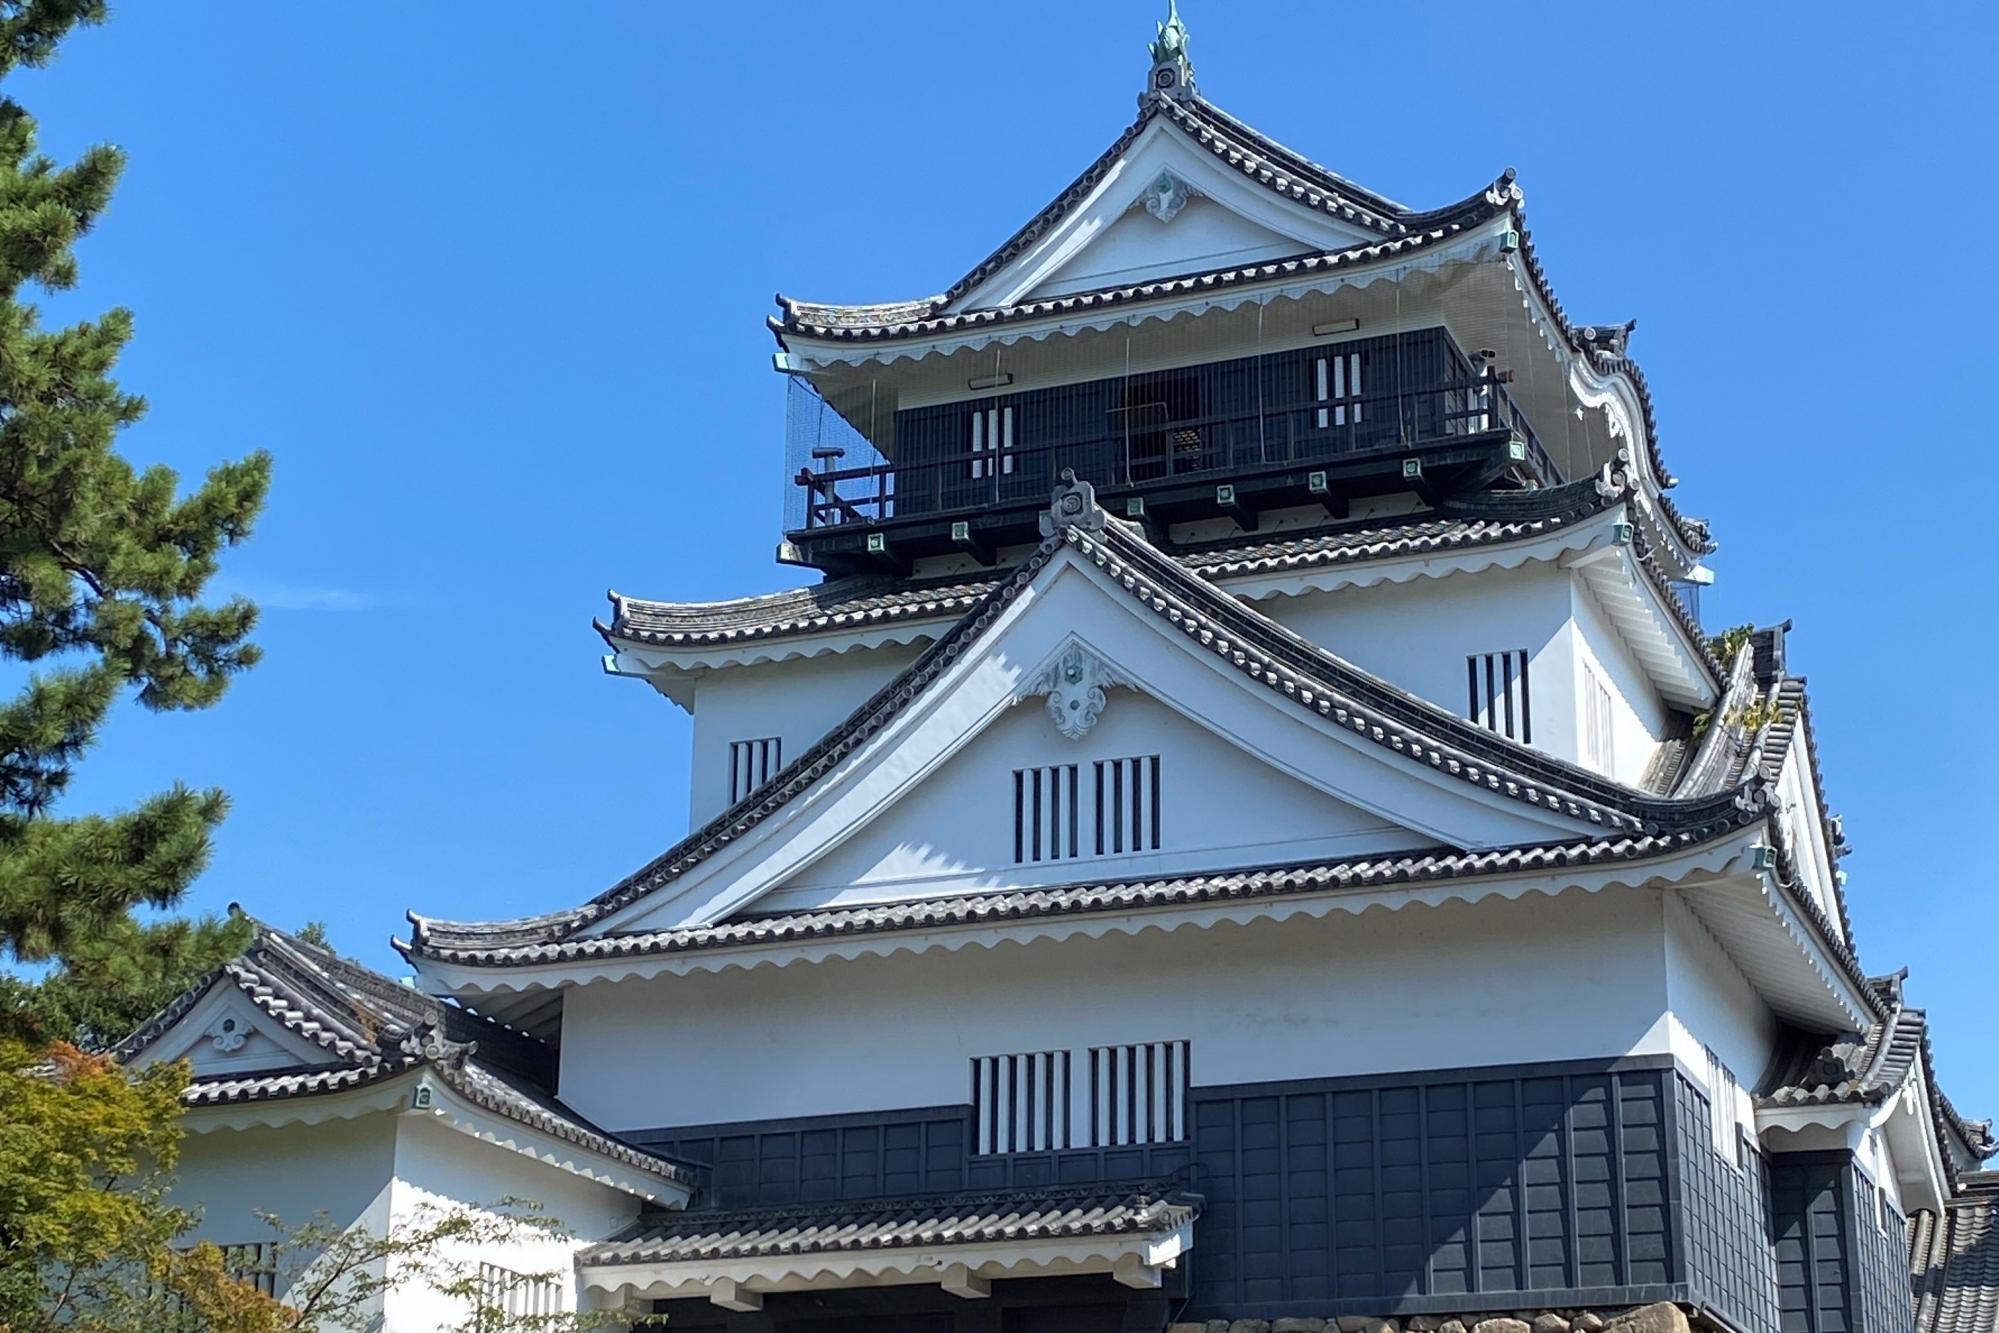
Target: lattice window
(505, 1295)
(1599, 725)
(1023, 1103)
(1138, 1093)
(1724, 1108)
(992, 442)
(254, 1262)
(1497, 693)
(1106, 1097)
(1336, 383)
(1127, 805)
(752, 763)
(1046, 814)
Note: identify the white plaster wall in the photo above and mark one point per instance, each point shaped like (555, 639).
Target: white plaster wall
(1203, 235)
(1714, 1006)
(799, 701)
(438, 1166)
(1801, 821)
(1638, 714)
(1219, 807)
(341, 1169)
(1418, 635)
(1460, 985)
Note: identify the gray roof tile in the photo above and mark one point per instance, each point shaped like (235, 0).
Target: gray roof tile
(899, 1223)
(373, 1028)
(1954, 1260)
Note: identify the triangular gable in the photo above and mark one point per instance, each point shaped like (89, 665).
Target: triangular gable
(1164, 205)
(225, 1031)
(1145, 790)
(1072, 603)
(1506, 794)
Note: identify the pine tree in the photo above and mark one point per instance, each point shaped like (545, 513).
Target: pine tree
(109, 983)
(102, 566)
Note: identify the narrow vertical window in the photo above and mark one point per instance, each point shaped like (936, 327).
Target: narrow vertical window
(1045, 814)
(1138, 1093)
(1336, 383)
(1021, 1103)
(1497, 695)
(1722, 1106)
(1128, 805)
(992, 442)
(1599, 724)
(752, 763)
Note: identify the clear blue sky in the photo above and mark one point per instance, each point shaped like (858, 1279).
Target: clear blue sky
(490, 282)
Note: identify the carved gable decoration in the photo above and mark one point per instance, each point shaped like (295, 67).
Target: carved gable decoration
(1075, 686)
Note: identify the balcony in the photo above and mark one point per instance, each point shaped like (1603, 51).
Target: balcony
(1317, 425)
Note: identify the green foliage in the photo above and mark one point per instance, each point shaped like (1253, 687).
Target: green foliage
(108, 984)
(336, 1277)
(90, 1239)
(1728, 643)
(102, 566)
(85, 1157)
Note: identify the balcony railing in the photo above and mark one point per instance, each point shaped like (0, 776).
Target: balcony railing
(1150, 454)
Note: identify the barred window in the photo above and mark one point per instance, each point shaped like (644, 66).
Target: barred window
(1045, 814)
(1497, 693)
(1599, 735)
(254, 1262)
(1723, 1108)
(505, 1294)
(1127, 805)
(1103, 1097)
(751, 764)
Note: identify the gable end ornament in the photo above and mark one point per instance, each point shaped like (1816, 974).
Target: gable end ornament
(1077, 687)
(228, 1033)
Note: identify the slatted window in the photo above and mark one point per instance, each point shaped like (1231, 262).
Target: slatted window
(506, 1295)
(1599, 746)
(992, 442)
(1336, 383)
(1105, 1097)
(1046, 814)
(1127, 805)
(254, 1262)
(752, 763)
(1497, 693)
(1138, 1093)
(1023, 1103)
(1723, 1108)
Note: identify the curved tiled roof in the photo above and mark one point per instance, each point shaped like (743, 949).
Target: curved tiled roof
(1053, 1213)
(1071, 900)
(1258, 157)
(1297, 670)
(867, 600)
(1954, 1260)
(373, 1029)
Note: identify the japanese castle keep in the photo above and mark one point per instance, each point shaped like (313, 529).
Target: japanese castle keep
(1248, 833)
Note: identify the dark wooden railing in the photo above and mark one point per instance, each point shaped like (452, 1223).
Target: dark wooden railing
(1152, 453)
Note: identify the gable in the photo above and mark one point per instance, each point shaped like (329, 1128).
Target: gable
(1145, 791)
(1113, 231)
(224, 1032)
(1075, 601)
(1201, 235)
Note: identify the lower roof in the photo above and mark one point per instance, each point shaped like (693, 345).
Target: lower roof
(962, 1218)
(1954, 1260)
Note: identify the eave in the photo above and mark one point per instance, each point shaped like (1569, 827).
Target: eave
(1098, 910)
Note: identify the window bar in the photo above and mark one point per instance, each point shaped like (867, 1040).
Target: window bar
(1036, 834)
(1526, 707)
(1019, 833)
(1100, 807)
(1027, 1104)
(1117, 807)
(1154, 762)
(1506, 673)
